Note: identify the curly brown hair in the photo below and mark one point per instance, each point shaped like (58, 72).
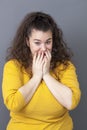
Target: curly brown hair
(44, 22)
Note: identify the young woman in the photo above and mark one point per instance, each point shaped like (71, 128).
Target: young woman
(40, 84)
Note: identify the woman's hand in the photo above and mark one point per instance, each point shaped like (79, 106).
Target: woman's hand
(37, 66)
(47, 59)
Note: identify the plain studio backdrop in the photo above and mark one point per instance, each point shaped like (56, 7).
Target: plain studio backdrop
(71, 16)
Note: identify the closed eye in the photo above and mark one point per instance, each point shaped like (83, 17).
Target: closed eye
(37, 43)
(48, 42)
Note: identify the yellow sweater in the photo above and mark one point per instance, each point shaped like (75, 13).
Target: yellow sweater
(43, 112)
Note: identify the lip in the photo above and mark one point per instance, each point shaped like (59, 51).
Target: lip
(44, 54)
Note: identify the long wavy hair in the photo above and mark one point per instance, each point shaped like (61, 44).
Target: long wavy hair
(43, 22)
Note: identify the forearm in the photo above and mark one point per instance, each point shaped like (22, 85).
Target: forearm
(29, 89)
(61, 92)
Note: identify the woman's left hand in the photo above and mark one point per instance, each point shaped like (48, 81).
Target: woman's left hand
(47, 59)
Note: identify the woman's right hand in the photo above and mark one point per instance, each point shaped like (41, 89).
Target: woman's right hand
(37, 66)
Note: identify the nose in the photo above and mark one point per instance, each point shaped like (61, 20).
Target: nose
(43, 47)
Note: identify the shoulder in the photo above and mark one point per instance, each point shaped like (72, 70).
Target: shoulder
(69, 72)
(12, 65)
(64, 67)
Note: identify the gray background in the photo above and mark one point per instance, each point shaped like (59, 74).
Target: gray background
(71, 15)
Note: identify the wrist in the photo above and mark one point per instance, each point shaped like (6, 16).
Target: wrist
(46, 75)
(37, 77)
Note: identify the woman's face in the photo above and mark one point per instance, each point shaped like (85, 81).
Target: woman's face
(40, 41)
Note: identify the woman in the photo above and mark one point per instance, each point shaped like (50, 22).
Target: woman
(40, 85)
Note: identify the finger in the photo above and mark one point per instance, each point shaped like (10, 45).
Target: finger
(38, 56)
(42, 62)
(47, 55)
(34, 57)
(41, 57)
(45, 59)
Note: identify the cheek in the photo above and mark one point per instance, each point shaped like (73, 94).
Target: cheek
(50, 47)
(34, 49)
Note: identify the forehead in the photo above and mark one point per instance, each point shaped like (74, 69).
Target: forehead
(40, 34)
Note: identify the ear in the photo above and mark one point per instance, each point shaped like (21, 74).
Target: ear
(27, 41)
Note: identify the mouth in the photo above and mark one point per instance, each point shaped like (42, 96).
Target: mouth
(44, 54)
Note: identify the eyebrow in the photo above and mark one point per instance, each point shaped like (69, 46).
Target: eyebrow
(40, 40)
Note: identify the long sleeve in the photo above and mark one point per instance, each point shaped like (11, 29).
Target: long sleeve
(12, 81)
(69, 79)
